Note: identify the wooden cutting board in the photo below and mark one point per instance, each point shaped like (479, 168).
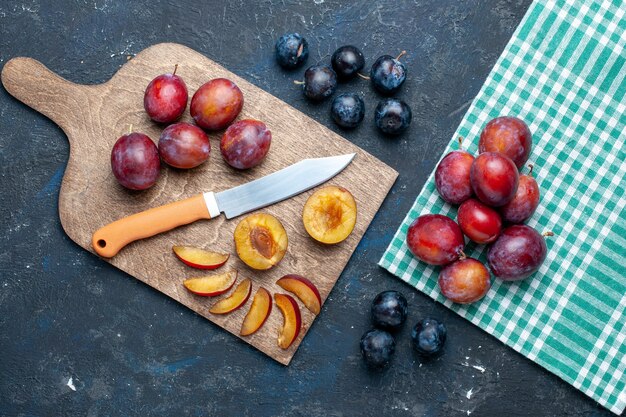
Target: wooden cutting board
(94, 116)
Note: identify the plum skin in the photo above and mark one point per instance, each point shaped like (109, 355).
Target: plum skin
(347, 61)
(135, 161)
(509, 136)
(464, 281)
(183, 145)
(494, 179)
(479, 222)
(377, 348)
(245, 143)
(387, 74)
(452, 177)
(348, 110)
(435, 239)
(320, 82)
(525, 202)
(389, 310)
(428, 337)
(165, 98)
(517, 253)
(216, 104)
(392, 116)
(292, 50)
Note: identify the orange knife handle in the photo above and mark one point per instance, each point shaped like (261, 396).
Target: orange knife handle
(110, 239)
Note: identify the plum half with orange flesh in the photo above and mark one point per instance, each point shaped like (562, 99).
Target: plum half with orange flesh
(329, 214)
(261, 241)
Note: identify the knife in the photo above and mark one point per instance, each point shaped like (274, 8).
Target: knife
(280, 185)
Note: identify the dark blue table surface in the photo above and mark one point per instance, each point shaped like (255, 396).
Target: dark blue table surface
(128, 349)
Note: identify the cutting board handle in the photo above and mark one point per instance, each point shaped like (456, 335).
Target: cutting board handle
(31, 82)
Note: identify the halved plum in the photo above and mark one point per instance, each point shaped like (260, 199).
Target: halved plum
(211, 285)
(329, 214)
(292, 320)
(259, 312)
(261, 241)
(200, 258)
(304, 289)
(235, 300)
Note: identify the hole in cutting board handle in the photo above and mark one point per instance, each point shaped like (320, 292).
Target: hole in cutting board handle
(102, 243)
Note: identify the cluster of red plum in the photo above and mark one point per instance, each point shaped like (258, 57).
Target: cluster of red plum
(136, 160)
(495, 200)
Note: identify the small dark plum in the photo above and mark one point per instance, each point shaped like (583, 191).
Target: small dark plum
(435, 239)
(525, 202)
(292, 50)
(494, 178)
(165, 99)
(518, 253)
(135, 161)
(452, 177)
(479, 222)
(183, 145)
(392, 116)
(388, 74)
(464, 281)
(377, 348)
(348, 110)
(389, 310)
(347, 61)
(509, 136)
(320, 82)
(245, 143)
(429, 337)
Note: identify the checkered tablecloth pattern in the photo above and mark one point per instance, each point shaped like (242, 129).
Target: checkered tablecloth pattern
(564, 73)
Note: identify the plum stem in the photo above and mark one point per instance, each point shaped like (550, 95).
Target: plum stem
(365, 77)
(298, 82)
(130, 128)
(548, 233)
(175, 68)
(530, 169)
(462, 255)
(401, 55)
(460, 142)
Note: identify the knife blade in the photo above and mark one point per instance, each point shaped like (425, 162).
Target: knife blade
(270, 189)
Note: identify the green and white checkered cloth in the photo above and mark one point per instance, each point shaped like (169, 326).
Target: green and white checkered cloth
(564, 73)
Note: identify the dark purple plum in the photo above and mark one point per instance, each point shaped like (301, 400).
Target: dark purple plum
(348, 110)
(494, 178)
(347, 61)
(292, 50)
(183, 145)
(452, 177)
(517, 254)
(525, 202)
(509, 136)
(388, 74)
(320, 82)
(165, 99)
(377, 348)
(389, 310)
(392, 116)
(428, 337)
(135, 161)
(245, 143)
(435, 239)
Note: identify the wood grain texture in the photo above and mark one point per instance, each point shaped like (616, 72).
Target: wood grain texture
(94, 116)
